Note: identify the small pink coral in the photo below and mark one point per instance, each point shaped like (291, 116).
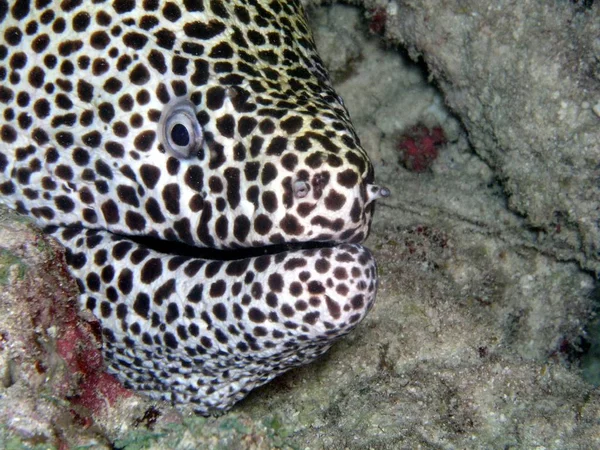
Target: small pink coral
(378, 18)
(419, 147)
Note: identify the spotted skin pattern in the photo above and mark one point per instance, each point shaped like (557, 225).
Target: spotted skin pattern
(207, 123)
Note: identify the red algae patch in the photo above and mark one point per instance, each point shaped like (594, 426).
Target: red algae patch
(419, 148)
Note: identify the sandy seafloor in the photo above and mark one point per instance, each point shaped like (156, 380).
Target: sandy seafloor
(483, 334)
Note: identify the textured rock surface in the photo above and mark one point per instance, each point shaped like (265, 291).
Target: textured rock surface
(523, 77)
(475, 337)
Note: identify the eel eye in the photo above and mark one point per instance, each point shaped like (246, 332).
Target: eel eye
(301, 189)
(179, 130)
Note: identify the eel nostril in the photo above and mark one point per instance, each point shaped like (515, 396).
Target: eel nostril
(375, 192)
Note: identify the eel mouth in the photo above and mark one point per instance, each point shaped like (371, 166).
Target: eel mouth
(371, 193)
(176, 248)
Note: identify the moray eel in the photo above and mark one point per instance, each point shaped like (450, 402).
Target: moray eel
(140, 133)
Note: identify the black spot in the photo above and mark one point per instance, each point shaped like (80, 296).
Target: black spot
(222, 51)
(269, 56)
(164, 292)
(290, 225)
(172, 312)
(333, 307)
(335, 201)
(139, 75)
(125, 281)
(212, 268)
(262, 224)
(256, 37)
(41, 108)
(266, 126)
(103, 169)
(18, 61)
(128, 195)
(165, 39)
(150, 175)
(113, 85)
(246, 125)
(40, 43)
(6, 94)
(81, 21)
(99, 40)
(356, 160)
(3, 162)
(20, 9)
(275, 282)
(123, 6)
(215, 97)
(143, 142)
(201, 74)
(63, 101)
(242, 14)
(115, 149)
(153, 209)
(221, 337)
(13, 36)
(196, 203)
(268, 174)
(241, 228)
(64, 203)
(348, 178)
(135, 40)
(64, 172)
(36, 79)
(204, 31)
(219, 9)
(311, 318)
(277, 146)
(157, 61)
(232, 175)
(269, 200)
(219, 310)
(192, 48)
(120, 129)
(110, 211)
(173, 165)
(294, 263)
(141, 305)
(93, 281)
(256, 315)
(223, 67)
(251, 170)
(262, 263)
(171, 198)
(8, 134)
(106, 112)
(215, 184)
(179, 67)
(256, 144)
(148, 22)
(100, 66)
(120, 251)
(193, 267)
(194, 178)
(183, 229)
(226, 125)
(86, 118)
(222, 228)
(171, 12)
(151, 271)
